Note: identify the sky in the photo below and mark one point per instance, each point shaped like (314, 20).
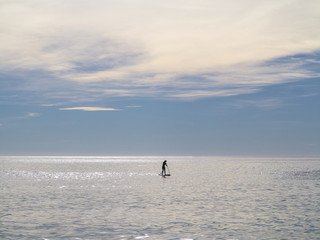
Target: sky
(170, 77)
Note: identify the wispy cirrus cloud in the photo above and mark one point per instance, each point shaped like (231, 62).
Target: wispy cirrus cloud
(89, 109)
(29, 115)
(270, 103)
(133, 106)
(171, 49)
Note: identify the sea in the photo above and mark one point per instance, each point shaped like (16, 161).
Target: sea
(82, 197)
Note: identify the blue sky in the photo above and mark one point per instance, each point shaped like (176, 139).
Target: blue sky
(160, 78)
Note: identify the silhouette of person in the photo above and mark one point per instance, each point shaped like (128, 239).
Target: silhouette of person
(164, 164)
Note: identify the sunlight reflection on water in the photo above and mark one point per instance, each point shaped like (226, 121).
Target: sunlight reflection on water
(205, 198)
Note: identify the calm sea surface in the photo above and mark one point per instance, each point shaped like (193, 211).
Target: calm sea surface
(125, 198)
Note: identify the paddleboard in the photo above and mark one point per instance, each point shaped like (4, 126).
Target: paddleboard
(164, 175)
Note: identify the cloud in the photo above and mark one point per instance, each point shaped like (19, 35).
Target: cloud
(176, 49)
(89, 109)
(133, 106)
(260, 103)
(29, 115)
(32, 114)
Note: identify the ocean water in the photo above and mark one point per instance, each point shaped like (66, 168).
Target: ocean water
(125, 198)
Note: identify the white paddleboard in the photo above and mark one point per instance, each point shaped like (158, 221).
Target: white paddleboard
(164, 175)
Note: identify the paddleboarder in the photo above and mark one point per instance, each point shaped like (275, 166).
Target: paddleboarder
(164, 164)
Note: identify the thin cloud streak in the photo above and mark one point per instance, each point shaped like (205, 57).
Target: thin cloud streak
(133, 106)
(262, 103)
(29, 115)
(89, 109)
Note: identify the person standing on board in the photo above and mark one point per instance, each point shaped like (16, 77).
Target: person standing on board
(164, 164)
